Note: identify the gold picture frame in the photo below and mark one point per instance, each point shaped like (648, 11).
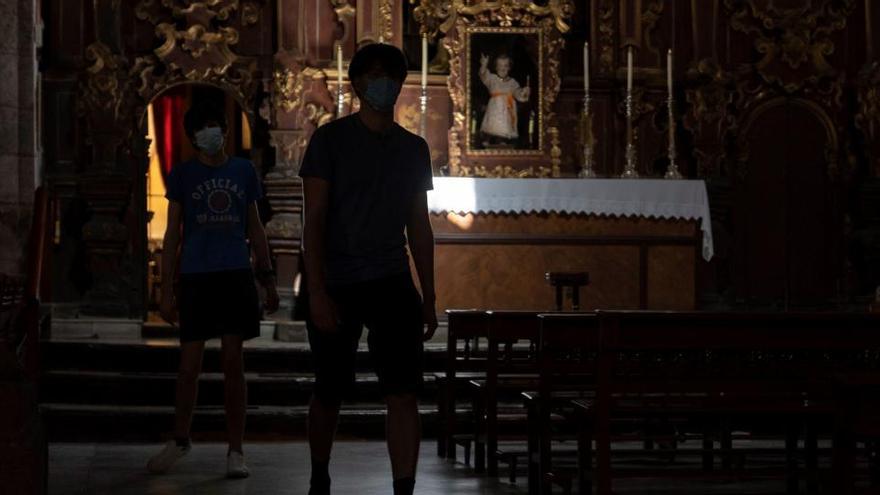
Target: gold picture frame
(458, 21)
(527, 134)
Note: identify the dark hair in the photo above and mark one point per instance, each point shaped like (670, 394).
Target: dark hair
(200, 114)
(388, 57)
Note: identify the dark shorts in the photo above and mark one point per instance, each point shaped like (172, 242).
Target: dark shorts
(214, 304)
(391, 309)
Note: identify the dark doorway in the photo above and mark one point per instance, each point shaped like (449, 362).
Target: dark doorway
(785, 214)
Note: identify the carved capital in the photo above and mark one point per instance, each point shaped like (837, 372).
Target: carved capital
(289, 148)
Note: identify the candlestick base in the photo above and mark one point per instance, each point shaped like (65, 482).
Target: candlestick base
(340, 103)
(629, 171)
(672, 173)
(423, 113)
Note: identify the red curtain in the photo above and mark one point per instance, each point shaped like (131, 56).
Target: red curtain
(168, 110)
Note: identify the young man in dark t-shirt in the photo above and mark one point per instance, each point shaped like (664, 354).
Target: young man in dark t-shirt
(365, 183)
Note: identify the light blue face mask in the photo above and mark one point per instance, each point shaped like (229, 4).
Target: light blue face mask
(210, 140)
(381, 94)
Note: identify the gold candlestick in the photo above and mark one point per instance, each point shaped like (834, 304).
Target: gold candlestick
(340, 98)
(629, 171)
(423, 97)
(672, 172)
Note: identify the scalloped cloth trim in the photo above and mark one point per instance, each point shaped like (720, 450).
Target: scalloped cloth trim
(647, 198)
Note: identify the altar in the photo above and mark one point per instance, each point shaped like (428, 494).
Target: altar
(640, 241)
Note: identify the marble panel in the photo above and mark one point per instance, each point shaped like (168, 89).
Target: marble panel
(9, 135)
(9, 26)
(9, 96)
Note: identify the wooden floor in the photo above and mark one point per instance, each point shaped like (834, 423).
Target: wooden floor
(358, 468)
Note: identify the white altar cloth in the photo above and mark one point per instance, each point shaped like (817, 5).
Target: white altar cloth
(649, 198)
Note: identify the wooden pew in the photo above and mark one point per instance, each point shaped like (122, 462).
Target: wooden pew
(465, 360)
(566, 356)
(509, 370)
(774, 366)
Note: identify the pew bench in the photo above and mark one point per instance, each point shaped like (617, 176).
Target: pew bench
(703, 367)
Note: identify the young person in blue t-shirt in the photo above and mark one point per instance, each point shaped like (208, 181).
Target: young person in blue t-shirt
(212, 213)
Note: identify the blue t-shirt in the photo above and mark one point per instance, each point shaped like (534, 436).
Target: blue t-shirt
(215, 210)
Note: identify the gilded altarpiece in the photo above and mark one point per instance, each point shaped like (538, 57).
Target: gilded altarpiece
(459, 23)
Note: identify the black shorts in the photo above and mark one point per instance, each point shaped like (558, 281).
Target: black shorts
(213, 304)
(391, 309)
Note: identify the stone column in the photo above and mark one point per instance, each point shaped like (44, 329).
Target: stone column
(300, 103)
(18, 144)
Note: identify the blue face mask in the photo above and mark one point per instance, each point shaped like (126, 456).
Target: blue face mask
(210, 140)
(381, 94)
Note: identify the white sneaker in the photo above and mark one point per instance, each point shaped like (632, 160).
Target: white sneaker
(235, 467)
(163, 461)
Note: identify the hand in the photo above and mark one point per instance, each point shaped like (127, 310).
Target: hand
(167, 307)
(484, 60)
(429, 316)
(525, 93)
(323, 312)
(271, 303)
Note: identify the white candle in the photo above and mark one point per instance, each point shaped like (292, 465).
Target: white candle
(586, 67)
(629, 68)
(339, 66)
(669, 71)
(424, 60)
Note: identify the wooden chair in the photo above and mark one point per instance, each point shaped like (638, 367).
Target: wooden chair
(511, 367)
(465, 360)
(567, 369)
(571, 280)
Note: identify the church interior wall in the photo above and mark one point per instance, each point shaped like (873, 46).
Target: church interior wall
(732, 57)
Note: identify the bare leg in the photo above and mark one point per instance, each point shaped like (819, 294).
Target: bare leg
(187, 386)
(235, 390)
(323, 418)
(403, 432)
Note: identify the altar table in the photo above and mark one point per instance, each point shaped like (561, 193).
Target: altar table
(640, 240)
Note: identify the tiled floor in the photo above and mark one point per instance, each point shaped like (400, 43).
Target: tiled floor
(358, 468)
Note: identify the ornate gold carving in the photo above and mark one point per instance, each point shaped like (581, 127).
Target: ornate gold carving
(650, 15)
(458, 19)
(709, 117)
(789, 38)
(250, 13)
(200, 51)
(303, 92)
(506, 172)
(606, 35)
(345, 15)
(386, 20)
(868, 117)
(104, 89)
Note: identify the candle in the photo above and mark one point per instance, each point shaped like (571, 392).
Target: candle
(629, 68)
(586, 67)
(669, 71)
(339, 66)
(424, 60)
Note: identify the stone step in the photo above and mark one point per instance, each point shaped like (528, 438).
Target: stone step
(164, 356)
(110, 423)
(155, 388)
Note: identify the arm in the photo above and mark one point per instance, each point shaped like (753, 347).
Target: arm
(316, 192)
(170, 249)
(484, 70)
(257, 235)
(421, 244)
